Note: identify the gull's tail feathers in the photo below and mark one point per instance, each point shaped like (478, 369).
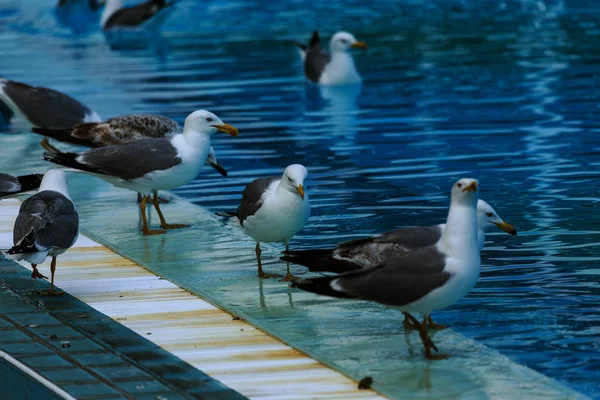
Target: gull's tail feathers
(319, 260)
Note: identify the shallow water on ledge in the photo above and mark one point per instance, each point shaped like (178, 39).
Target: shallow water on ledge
(503, 91)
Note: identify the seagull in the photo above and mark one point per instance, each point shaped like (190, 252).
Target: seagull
(44, 107)
(274, 209)
(116, 16)
(336, 68)
(119, 130)
(372, 251)
(421, 281)
(149, 165)
(12, 186)
(47, 225)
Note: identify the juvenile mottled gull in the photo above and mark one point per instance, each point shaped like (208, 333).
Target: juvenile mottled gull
(336, 68)
(149, 165)
(11, 186)
(426, 279)
(47, 225)
(120, 130)
(117, 16)
(274, 209)
(43, 107)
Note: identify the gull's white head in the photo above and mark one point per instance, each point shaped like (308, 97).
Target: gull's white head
(465, 192)
(344, 41)
(55, 180)
(203, 121)
(487, 218)
(293, 179)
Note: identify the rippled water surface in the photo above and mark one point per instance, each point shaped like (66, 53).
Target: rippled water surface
(506, 92)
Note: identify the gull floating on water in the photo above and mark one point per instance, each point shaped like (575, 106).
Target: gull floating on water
(421, 281)
(116, 16)
(47, 225)
(336, 68)
(274, 209)
(149, 165)
(11, 186)
(119, 130)
(44, 107)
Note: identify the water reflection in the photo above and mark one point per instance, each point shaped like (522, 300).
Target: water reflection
(505, 91)
(80, 16)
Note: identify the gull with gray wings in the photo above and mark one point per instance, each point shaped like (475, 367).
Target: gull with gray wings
(47, 225)
(149, 165)
(421, 281)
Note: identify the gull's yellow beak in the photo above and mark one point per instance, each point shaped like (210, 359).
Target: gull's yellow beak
(300, 191)
(508, 228)
(471, 188)
(359, 45)
(227, 129)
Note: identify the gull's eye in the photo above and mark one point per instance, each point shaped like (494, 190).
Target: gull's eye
(289, 179)
(489, 214)
(459, 184)
(209, 119)
(344, 41)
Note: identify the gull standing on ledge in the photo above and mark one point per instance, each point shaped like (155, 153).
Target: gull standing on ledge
(11, 186)
(336, 68)
(375, 250)
(117, 16)
(43, 107)
(427, 279)
(274, 209)
(149, 165)
(119, 130)
(372, 251)
(47, 225)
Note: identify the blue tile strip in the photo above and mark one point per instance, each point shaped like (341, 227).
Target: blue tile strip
(84, 352)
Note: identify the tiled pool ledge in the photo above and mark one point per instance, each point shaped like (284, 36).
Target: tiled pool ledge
(216, 262)
(158, 313)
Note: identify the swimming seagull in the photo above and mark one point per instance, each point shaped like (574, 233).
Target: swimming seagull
(44, 107)
(274, 209)
(372, 251)
(47, 225)
(120, 130)
(427, 279)
(11, 186)
(336, 68)
(149, 165)
(117, 16)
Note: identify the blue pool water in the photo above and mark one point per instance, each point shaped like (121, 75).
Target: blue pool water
(504, 91)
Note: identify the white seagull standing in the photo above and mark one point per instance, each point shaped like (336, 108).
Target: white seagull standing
(149, 165)
(119, 130)
(274, 209)
(427, 279)
(47, 225)
(375, 250)
(372, 251)
(336, 68)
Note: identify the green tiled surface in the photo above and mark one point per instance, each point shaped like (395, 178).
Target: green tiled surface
(86, 353)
